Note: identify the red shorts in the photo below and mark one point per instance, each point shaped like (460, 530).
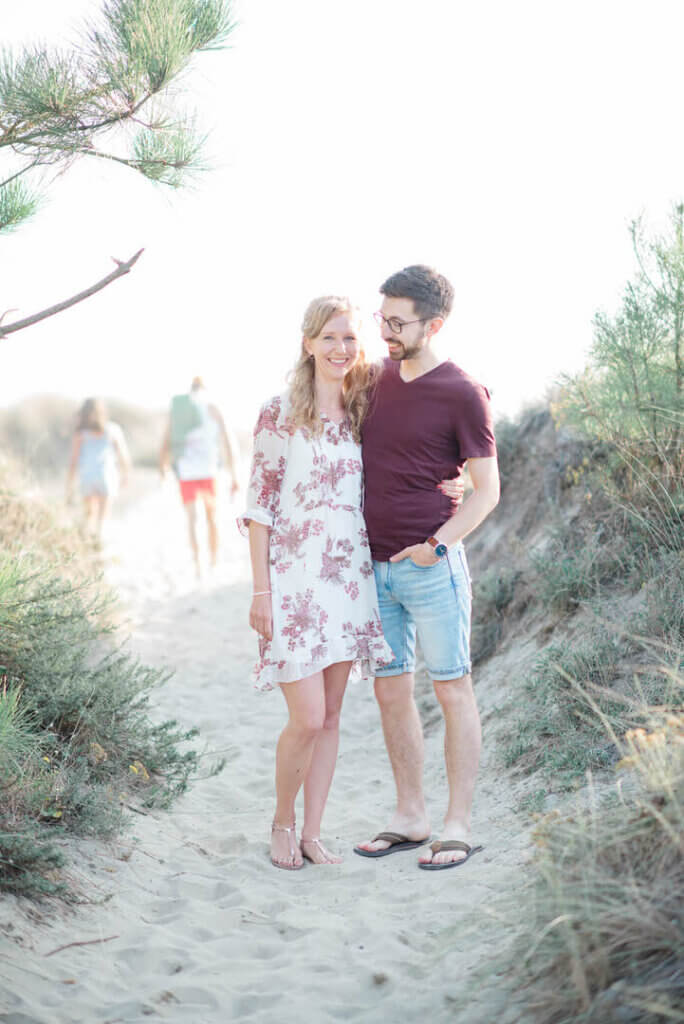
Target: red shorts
(191, 488)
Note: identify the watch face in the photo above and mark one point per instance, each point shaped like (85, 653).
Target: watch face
(441, 550)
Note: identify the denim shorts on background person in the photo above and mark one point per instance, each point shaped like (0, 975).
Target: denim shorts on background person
(433, 602)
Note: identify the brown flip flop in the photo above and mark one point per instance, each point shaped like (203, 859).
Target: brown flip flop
(450, 844)
(397, 843)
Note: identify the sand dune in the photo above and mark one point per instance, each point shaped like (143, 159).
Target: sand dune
(196, 926)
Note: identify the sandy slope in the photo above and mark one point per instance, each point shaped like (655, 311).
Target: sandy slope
(206, 930)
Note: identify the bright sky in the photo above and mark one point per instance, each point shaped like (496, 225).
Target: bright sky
(508, 144)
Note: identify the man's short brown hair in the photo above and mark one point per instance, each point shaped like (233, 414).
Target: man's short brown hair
(431, 293)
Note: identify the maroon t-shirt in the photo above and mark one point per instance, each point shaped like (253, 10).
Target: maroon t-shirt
(417, 433)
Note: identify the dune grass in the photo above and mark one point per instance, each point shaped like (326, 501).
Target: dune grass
(601, 938)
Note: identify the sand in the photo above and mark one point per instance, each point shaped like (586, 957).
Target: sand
(194, 924)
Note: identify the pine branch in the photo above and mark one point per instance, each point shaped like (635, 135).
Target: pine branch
(122, 267)
(29, 167)
(54, 105)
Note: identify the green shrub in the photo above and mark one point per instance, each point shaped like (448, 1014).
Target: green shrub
(27, 864)
(630, 397)
(75, 710)
(631, 394)
(580, 559)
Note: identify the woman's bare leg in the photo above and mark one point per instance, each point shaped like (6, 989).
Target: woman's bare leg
(319, 777)
(91, 514)
(306, 706)
(103, 507)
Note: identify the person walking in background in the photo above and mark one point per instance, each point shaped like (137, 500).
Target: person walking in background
(195, 434)
(314, 605)
(427, 420)
(99, 455)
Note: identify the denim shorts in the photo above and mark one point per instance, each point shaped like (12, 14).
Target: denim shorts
(433, 602)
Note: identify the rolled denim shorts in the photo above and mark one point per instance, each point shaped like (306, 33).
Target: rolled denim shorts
(433, 602)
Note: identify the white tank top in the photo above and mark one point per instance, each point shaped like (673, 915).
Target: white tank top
(199, 458)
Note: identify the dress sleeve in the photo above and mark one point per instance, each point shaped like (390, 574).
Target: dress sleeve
(269, 459)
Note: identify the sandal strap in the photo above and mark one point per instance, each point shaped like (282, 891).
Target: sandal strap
(290, 829)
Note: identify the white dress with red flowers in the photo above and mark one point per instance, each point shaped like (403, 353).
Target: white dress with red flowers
(308, 490)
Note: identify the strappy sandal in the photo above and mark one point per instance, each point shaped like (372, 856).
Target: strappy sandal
(293, 836)
(325, 853)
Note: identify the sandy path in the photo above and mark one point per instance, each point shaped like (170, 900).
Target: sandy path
(206, 930)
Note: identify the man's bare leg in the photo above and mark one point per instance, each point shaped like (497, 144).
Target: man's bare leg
(404, 741)
(191, 512)
(212, 528)
(462, 743)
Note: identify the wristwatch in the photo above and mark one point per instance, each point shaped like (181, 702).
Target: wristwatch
(439, 548)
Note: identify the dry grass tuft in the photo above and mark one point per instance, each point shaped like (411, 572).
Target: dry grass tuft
(604, 937)
(33, 526)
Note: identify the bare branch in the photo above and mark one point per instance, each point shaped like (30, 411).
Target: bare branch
(84, 942)
(121, 269)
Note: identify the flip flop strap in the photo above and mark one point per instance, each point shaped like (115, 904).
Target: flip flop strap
(391, 837)
(449, 844)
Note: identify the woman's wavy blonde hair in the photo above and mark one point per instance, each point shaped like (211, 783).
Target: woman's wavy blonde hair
(356, 385)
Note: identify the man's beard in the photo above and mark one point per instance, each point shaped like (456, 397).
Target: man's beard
(405, 351)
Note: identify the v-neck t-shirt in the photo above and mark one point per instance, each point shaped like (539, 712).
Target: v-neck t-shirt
(415, 434)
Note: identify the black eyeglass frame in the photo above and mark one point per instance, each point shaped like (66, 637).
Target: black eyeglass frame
(395, 324)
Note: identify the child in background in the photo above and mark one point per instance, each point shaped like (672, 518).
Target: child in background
(100, 456)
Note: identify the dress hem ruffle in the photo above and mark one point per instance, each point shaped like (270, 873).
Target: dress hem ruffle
(366, 653)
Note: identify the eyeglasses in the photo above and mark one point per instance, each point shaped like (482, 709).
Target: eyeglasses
(395, 324)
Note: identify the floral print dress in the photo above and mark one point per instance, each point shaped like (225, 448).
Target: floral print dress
(308, 490)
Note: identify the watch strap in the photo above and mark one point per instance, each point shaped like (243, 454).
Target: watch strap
(439, 546)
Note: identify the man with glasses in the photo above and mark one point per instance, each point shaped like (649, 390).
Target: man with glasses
(427, 420)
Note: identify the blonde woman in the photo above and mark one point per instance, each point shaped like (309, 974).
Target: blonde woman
(315, 604)
(100, 456)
